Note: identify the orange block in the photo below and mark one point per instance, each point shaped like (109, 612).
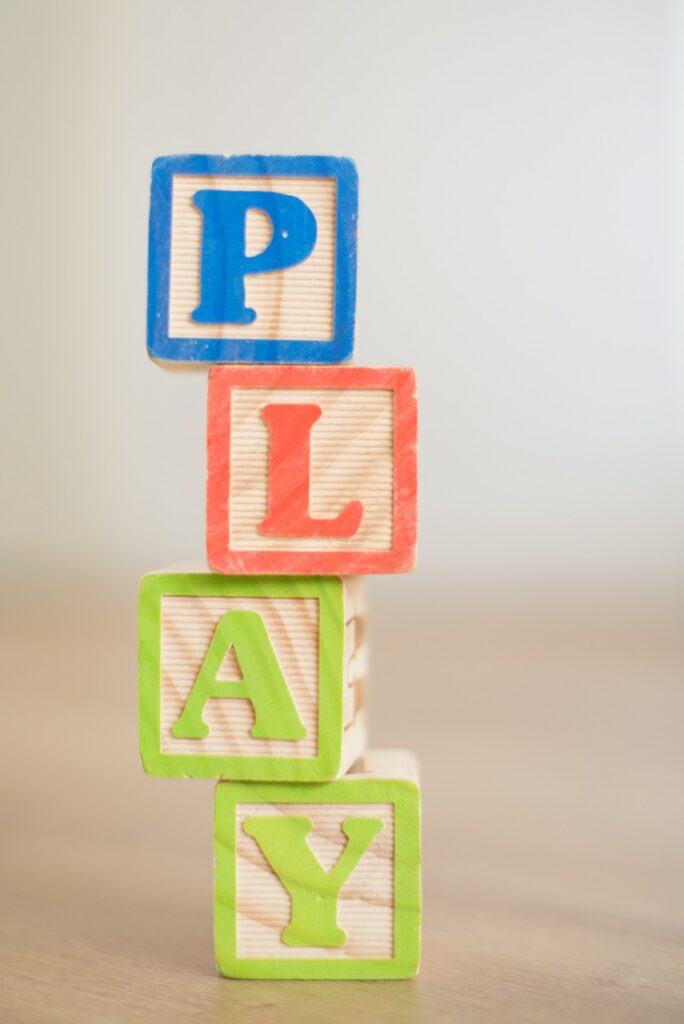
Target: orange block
(311, 469)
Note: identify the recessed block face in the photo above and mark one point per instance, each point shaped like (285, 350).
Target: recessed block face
(252, 259)
(259, 678)
(311, 469)
(324, 881)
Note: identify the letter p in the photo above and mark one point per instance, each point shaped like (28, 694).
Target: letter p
(225, 262)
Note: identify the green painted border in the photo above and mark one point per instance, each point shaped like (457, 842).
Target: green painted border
(328, 590)
(404, 795)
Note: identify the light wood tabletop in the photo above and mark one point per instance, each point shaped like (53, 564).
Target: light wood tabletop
(551, 754)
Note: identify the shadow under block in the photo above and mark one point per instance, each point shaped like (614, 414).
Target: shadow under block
(259, 678)
(320, 881)
(252, 259)
(311, 469)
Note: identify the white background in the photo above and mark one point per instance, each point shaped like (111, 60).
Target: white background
(521, 244)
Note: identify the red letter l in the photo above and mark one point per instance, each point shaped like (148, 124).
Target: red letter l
(289, 468)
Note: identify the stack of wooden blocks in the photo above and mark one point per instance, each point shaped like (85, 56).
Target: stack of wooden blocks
(254, 671)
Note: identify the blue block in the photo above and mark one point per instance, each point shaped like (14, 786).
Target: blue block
(252, 259)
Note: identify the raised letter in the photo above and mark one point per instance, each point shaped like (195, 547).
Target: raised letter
(289, 478)
(262, 682)
(313, 891)
(224, 254)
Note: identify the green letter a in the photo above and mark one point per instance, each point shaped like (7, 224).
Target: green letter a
(262, 682)
(313, 891)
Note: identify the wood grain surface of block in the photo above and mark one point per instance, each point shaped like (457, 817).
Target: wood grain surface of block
(251, 677)
(252, 259)
(311, 469)
(320, 881)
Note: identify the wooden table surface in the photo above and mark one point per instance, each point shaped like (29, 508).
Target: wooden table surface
(551, 750)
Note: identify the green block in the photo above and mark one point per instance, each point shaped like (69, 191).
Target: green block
(320, 881)
(258, 678)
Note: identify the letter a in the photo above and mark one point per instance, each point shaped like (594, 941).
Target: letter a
(313, 891)
(262, 682)
(289, 468)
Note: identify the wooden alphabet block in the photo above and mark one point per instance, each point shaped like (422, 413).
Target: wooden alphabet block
(320, 881)
(251, 678)
(311, 469)
(252, 259)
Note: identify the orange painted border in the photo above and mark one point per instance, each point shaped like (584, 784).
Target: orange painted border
(400, 558)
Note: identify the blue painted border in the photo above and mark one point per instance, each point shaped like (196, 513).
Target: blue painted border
(223, 350)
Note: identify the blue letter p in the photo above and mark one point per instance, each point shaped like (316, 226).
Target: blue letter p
(225, 262)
